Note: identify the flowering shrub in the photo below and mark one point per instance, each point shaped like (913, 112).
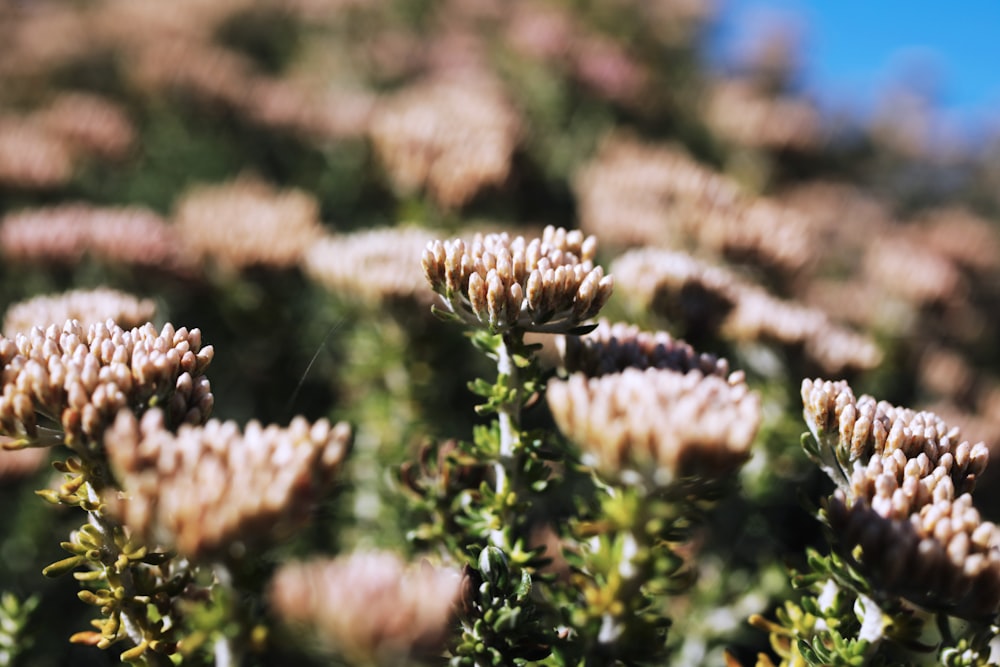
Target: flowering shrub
(480, 333)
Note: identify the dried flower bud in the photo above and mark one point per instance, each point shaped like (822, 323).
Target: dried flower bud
(209, 490)
(370, 606)
(80, 378)
(659, 423)
(86, 306)
(545, 285)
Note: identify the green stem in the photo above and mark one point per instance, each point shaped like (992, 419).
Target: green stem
(509, 415)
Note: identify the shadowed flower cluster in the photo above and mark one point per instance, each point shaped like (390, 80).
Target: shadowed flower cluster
(905, 481)
(497, 282)
(613, 347)
(210, 490)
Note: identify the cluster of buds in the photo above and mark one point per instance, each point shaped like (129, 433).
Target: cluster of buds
(611, 348)
(370, 606)
(87, 306)
(905, 480)
(547, 285)
(210, 490)
(80, 378)
(658, 423)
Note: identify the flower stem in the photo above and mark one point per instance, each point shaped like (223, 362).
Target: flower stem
(509, 415)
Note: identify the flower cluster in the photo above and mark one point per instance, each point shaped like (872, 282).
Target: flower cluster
(210, 490)
(80, 378)
(371, 606)
(657, 422)
(905, 481)
(497, 282)
(88, 307)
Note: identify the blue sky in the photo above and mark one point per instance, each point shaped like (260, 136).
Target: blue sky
(853, 49)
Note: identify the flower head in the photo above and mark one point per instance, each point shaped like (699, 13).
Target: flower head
(501, 283)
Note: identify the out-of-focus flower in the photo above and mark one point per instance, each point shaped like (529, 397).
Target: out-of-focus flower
(657, 423)
(208, 74)
(20, 463)
(739, 112)
(247, 222)
(454, 136)
(611, 348)
(89, 124)
(32, 157)
(500, 283)
(210, 491)
(376, 265)
(912, 270)
(638, 194)
(963, 237)
(370, 606)
(88, 307)
(714, 299)
(79, 378)
(606, 68)
(945, 373)
(65, 233)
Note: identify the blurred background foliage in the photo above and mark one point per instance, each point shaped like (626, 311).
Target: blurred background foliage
(313, 95)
